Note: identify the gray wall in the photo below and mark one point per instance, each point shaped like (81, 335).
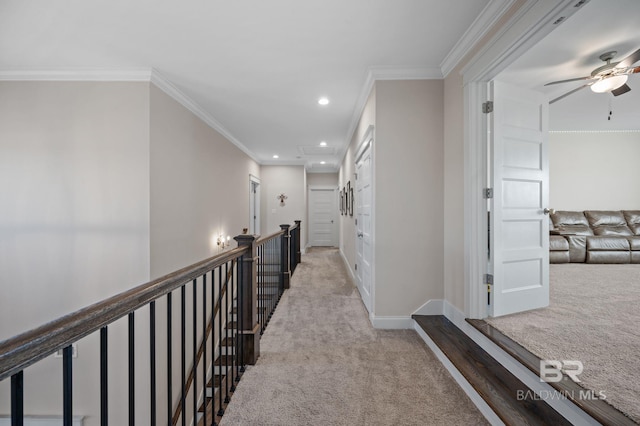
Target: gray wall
(276, 180)
(594, 170)
(74, 217)
(408, 191)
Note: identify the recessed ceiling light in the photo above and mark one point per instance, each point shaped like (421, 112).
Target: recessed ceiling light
(323, 162)
(323, 101)
(323, 143)
(276, 156)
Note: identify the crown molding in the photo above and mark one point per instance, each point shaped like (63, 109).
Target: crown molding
(594, 131)
(493, 11)
(87, 74)
(167, 87)
(150, 75)
(383, 73)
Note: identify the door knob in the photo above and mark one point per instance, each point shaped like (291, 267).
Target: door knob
(360, 235)
(547, 211)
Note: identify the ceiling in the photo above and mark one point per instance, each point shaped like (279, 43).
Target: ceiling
(256, 68)
(572, 50)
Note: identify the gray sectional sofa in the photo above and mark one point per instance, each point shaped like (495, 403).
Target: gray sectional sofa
(595, 236)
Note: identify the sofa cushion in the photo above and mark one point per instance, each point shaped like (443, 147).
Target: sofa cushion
(563, 218)
(612, 230)
(633, 220)
(634, 242)
(608, 257)
(561, 257)
(558, 243)
(607, 244)
(605, 218)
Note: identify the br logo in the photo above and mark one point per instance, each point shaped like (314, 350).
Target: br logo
(551, 370)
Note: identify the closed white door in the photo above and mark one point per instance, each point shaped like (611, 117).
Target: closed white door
(519, 225)
(364, 222)
(322, 217)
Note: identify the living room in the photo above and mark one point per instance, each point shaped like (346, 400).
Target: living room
(594, 144)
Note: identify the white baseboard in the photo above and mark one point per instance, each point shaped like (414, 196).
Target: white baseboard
(346, 264)
(42, 420)
(432, 307)
(392, 323)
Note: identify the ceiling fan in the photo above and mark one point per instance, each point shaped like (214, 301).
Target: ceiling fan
(611, 77)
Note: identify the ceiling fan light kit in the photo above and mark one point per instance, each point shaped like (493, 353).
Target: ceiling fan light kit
(611, 77)
(608, 84)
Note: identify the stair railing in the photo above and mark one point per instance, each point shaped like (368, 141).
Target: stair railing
(226, 313)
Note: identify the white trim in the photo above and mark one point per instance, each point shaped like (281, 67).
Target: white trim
(432, 307)
(133, 75)
(167, 87)
(595, 131)
(346, 263)
(530, 23)
(487, 18)
(335, 237)
(474, 396)
(391, 322)
(87, 74)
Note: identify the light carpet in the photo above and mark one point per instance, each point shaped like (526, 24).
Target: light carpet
(592, 318)
(322, 363)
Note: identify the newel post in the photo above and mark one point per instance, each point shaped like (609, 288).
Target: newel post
(248, 311)
(285, 272)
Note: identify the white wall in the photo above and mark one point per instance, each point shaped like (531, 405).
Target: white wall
(594, 170)
(288, 180)
(74, 217)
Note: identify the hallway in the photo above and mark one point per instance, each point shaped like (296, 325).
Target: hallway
(323, 363)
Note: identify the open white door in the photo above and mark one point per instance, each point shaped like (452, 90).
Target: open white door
(519, 223)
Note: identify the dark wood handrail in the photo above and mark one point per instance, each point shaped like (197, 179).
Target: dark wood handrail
(23, 350)
(263, 240)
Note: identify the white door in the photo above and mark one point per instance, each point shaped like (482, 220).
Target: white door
(322, 217)
(364, 228)
(519, 225)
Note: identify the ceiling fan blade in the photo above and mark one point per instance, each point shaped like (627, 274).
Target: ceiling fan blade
(569, 93)
(629, 60)
(621, 90)
(571, 79)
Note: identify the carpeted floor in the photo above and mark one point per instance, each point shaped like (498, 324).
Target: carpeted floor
(322, 363)
(592, 318)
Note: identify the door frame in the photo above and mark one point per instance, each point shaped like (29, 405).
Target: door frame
(254, 205)
(334, 231)
(530, 24)
(367, 142)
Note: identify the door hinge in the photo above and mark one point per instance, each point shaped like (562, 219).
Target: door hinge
(488, 279)
(356, 266)
(487, 107)
(487, 192)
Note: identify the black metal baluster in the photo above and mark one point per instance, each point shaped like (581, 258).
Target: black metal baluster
(183, 363)
(132, 369)
(204, 348)
(220, 409)
(240, 341)
(17, 399)
(213, 347)
(152, 359)
(169, 362)
(194, 347)
(228, 331)
(104, 378)
(260, 279)
(234, 322)
(67, 386)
